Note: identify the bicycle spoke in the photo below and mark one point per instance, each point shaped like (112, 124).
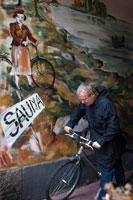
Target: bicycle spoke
(64, 181)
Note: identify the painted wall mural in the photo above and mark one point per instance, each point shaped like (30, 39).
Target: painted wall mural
(46, 50)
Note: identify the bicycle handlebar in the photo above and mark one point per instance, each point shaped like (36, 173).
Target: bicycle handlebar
(80, 139)
(34, 45)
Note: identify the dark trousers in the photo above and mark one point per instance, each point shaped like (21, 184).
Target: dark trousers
(107, 177)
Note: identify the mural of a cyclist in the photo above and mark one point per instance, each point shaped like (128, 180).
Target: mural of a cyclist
(20, 52)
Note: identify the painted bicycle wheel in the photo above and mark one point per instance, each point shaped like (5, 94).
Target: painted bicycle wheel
(6, 64)
(43, 73)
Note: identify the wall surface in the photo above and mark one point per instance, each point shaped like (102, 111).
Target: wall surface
(30, 182)
(120, 9)
(77, 42)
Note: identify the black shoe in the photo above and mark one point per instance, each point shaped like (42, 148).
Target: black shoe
(31, 87)
(19, 89)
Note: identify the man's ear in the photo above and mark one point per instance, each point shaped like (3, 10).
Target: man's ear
(93, 94)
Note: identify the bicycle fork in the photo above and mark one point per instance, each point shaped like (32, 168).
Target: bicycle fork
(79, 158)
(71, 171)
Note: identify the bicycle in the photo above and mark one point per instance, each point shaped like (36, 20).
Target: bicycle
(43, 73)
(65, 179)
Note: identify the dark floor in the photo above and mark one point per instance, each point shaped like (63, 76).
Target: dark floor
(86, 193)
(89, 192)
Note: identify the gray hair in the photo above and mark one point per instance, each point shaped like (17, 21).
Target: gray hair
(86, 87)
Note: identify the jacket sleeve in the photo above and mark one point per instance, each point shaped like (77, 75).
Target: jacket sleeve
(30, 37)
(112, 123)
(78, 113)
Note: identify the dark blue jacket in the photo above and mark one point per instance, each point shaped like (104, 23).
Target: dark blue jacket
(104, 128)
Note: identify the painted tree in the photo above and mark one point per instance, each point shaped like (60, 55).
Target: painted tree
(87, 4)
(90, 4)
(77, 3)
(19, 3)
(36, 8)
(100, 8)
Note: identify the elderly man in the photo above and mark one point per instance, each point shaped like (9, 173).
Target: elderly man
(105, 132)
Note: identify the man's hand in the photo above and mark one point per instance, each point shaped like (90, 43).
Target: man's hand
(67, 129)
(96, 145)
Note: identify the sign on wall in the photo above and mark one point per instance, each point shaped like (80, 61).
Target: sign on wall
(18, 117)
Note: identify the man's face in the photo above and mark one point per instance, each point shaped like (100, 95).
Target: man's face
(86, 99)
(20, 18)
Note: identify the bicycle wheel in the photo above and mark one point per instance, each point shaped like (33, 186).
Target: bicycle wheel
(7, 67)
(5, 64)
(63, 182)
(43, 73)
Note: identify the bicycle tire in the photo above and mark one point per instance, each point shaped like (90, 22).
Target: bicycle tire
(43, 73)
(7, 63)
(67, 177)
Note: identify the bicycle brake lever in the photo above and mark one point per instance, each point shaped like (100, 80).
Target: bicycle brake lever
(69, 135)
(89, 144)
(72, 133)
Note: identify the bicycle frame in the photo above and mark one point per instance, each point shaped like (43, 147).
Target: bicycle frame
(82, 142)
(36, 49)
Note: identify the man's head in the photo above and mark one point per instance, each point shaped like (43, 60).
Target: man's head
(87, 93)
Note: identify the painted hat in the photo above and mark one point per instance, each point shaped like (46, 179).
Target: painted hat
(18, 11)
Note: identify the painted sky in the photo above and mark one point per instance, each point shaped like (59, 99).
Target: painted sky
(121, 9)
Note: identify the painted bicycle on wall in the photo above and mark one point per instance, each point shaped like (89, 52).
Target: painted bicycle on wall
(43, 76)
(43, 73)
